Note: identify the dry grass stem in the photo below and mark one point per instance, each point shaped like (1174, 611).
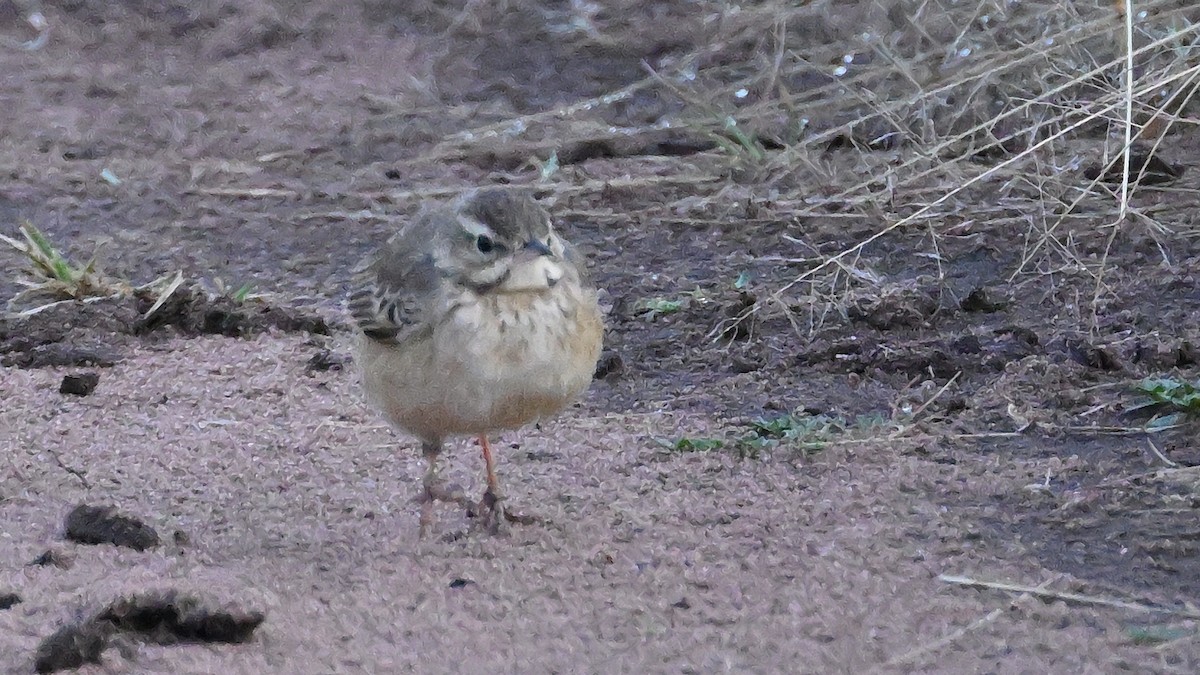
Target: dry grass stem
(1067, 596)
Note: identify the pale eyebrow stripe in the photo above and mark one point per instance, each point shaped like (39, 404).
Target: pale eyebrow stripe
(476, 227)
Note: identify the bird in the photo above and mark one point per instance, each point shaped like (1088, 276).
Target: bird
(475, 317)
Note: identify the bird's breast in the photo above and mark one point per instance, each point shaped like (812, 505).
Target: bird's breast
(521, 356)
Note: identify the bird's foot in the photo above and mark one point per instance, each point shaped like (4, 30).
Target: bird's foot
(496, 517)
(437, 491)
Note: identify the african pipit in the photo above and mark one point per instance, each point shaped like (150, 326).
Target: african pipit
(474, 318)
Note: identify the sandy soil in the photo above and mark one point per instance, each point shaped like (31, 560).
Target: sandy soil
(295, 500)
(274, 143)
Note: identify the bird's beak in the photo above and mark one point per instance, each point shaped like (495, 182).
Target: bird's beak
(533, 250)
(539, 247)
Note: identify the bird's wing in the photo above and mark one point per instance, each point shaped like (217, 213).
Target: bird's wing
(394, 287)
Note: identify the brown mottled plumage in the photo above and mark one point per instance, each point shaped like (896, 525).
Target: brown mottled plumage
(475, 317)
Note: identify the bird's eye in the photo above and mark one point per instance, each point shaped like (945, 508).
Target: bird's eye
(485, 244)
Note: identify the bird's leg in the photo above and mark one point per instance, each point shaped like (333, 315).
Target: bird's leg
(490, 505)
(431, 452)
(435, 490)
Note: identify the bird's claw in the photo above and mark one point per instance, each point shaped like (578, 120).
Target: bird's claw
(491, 509)
(495, 516)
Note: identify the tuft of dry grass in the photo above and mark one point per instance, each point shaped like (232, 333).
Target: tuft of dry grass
(49, 276)
(925, 91)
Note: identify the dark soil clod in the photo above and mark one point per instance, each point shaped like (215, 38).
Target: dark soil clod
(171, 617)
(1020, 333)
(1092, 356)
(1142, 162)
(1186, 355)
(978, 300)
(57, 335)
(79, 385)
(53, 557)
(56, 355)
(327, 360)
(160, 617)
(72, 646)
(91, 334)
(610, 366)
(9, 600)
(104, 525)
(905, 308)
(194, 313)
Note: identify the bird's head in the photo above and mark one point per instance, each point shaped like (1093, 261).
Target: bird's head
(502, 242)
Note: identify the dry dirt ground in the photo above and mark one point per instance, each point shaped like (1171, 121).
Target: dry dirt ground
(974, 418)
